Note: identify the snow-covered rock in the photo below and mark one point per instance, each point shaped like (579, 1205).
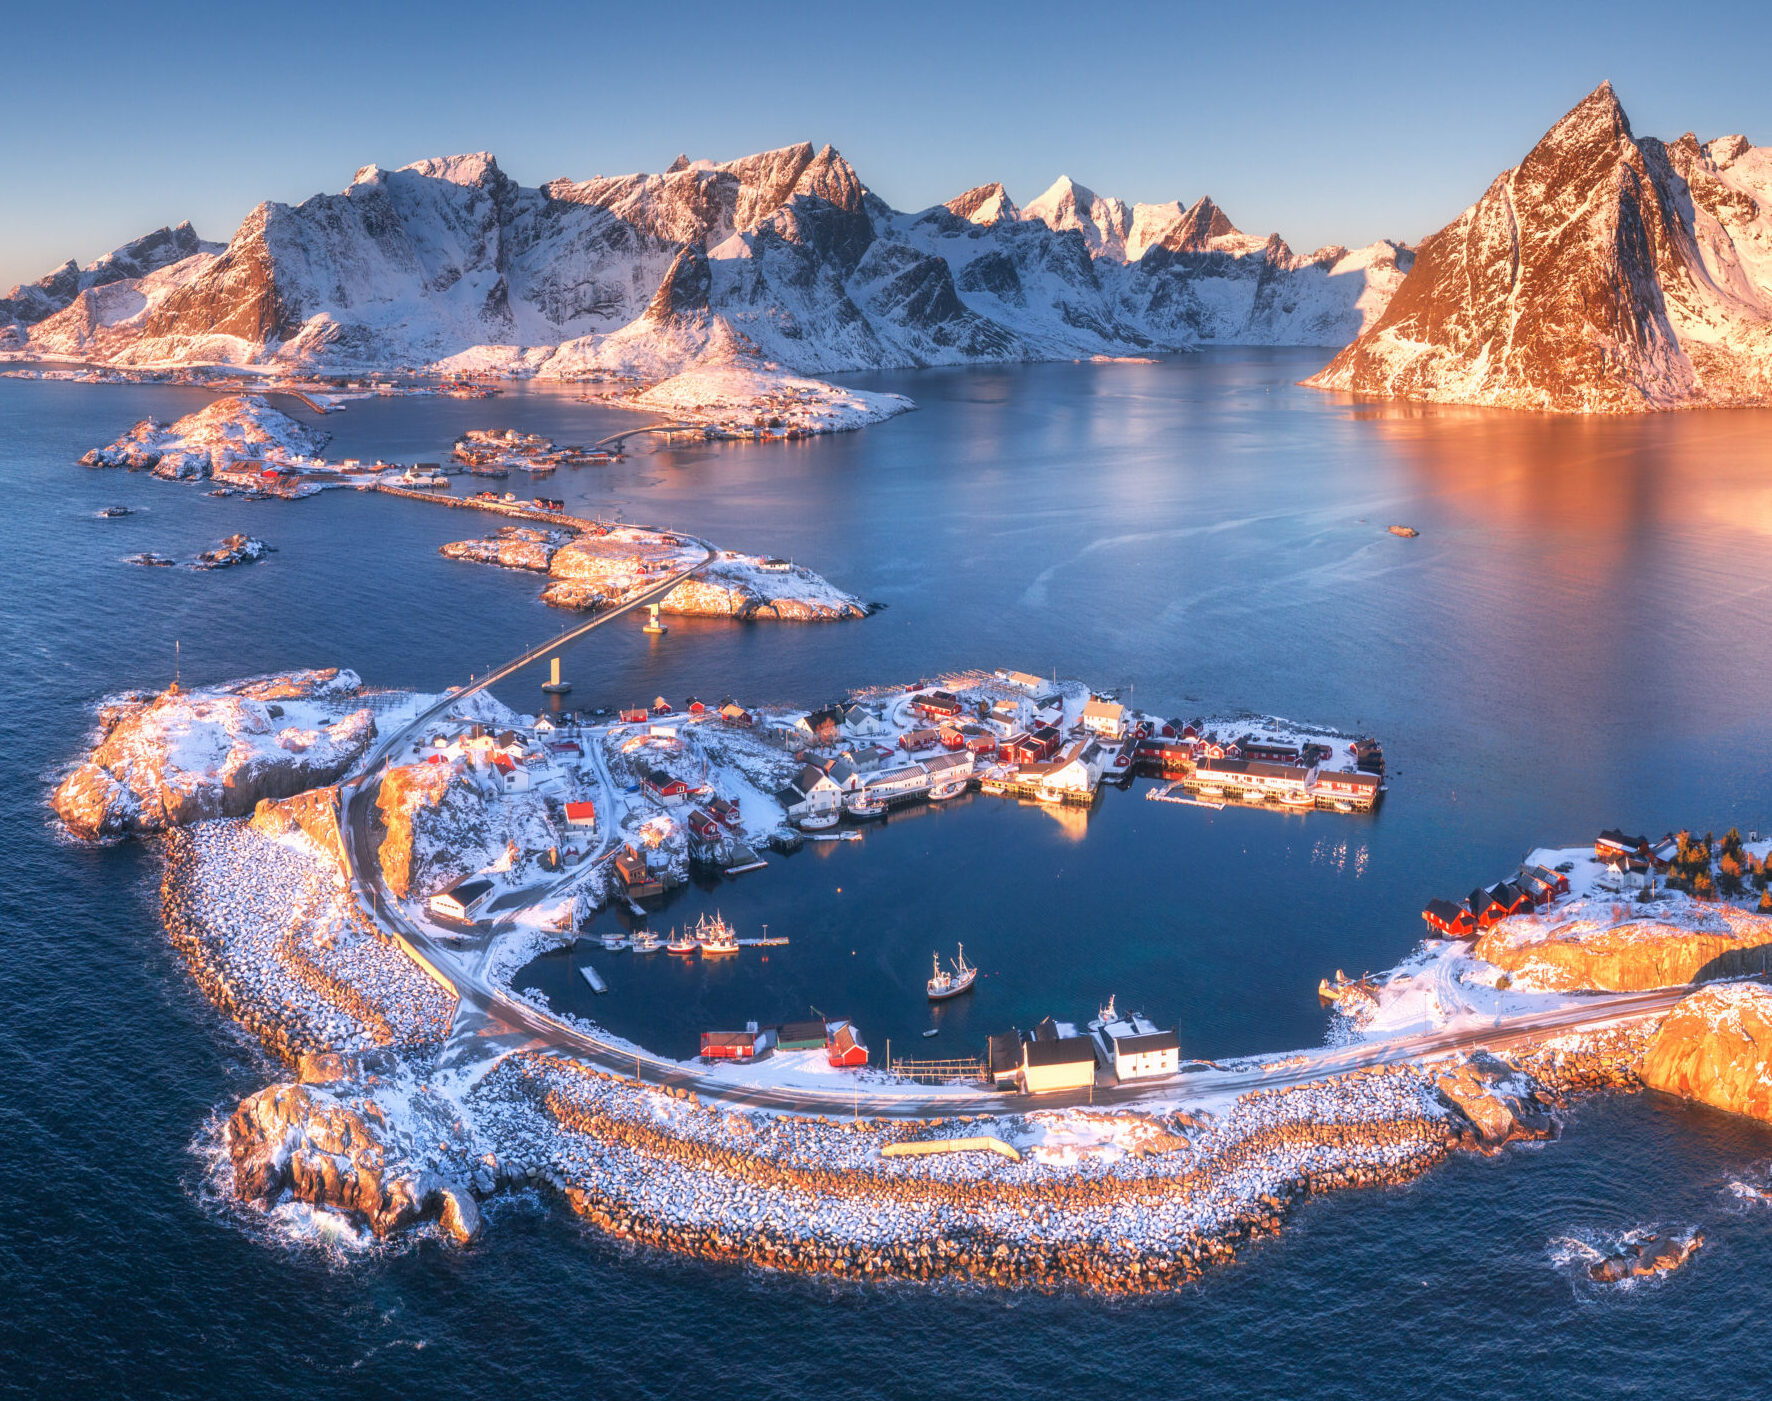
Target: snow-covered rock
(1612, 945)
(234, 429)
(1604, 273)
(185, 756)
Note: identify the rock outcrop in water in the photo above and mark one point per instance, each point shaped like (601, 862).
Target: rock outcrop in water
(185, 756)
(1716, 1048)
(590, 571)
(330, 1148)
(1646, 1258)
(234, 429)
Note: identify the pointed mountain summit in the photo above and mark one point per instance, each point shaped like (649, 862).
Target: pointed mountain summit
(985, 204)
(1067, 205)
(1604, 273)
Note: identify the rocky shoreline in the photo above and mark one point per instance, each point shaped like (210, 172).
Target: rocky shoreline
(594, 566)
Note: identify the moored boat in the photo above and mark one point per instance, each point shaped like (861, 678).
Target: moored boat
(818, 821)
(947, 788)
(645, 941)
(944, 983)
(682, 944)
(715, 936)
(1298, 800)
(615, 942)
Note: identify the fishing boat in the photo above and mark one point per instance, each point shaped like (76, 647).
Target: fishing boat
(645, 941)
(818, 821)
(947, 788)
(866, 810)
(615, 942)
(715, 936)
(1343, 805)
(944, 984)
(1298, 800)
(682, 944)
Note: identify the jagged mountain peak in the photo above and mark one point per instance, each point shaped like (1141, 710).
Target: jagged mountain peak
(1602, 273)
(984, 204)
(477, 168)
(681, 163)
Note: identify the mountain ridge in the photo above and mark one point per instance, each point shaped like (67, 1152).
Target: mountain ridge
(781, 257)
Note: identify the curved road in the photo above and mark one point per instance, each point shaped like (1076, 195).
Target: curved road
(357, 801)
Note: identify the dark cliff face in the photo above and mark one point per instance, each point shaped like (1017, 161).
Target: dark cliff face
(684, 291)
(1559, 287)
(237, 295)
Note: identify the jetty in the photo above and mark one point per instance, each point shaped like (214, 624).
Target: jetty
(591, 976)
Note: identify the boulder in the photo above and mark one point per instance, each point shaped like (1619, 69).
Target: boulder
(1644, 1258)
(1716, 1047)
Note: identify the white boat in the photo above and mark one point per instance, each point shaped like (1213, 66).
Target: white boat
(818, 821)
(645, 941)
(1298, 800)
(715, 936)
(947, 788)
(865, 810)
(614, 942)
(944, 984)
(683, 944)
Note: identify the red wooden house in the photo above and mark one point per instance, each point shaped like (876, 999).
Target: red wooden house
(1449, 920)
(703, 824)
(843, 1048)
(937, 705)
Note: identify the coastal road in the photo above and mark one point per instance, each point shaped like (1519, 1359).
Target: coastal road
(464, 971)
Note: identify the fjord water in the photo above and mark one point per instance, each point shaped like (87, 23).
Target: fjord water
(1577, 638)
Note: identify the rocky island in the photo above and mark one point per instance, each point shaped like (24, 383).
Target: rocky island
(215, 441)
(599, 565)
(1150, 1187)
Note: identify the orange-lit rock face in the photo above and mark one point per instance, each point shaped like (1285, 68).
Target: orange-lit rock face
(1606, 946)
(1716, 1048)
(404, 793)
(188, 756)
(1602, 274)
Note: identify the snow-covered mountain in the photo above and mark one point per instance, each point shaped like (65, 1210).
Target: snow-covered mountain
(783, 257)
(1604, 273)
(34, 301)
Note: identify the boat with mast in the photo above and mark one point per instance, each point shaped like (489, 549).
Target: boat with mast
(683, 944)
(715, 936)
(944, 983)
(645, 941)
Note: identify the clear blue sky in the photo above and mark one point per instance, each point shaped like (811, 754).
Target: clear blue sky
(1326, 122)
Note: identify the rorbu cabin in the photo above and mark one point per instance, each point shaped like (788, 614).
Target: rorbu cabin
(1449, 920)
(736, 1045)
(1512, 899)
(1614, 847)
(1485, 908)
(843, 1048)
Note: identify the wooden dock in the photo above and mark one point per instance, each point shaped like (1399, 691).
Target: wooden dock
(591, 976)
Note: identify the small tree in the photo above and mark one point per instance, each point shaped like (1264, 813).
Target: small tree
(1703, 887)
(1765, 901)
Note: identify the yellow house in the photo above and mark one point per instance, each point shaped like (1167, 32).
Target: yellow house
(1064, 1063)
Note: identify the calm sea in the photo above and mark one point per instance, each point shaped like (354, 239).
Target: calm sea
(1578, 638)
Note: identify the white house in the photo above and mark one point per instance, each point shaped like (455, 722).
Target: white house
(1021, 680)
(859, 722)
(1074, 769)
(1141, 1055)
(811, 792)
(1103, 718)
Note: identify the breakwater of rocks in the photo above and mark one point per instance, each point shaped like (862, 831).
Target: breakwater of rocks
(273, 939)
(1166, 1197)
